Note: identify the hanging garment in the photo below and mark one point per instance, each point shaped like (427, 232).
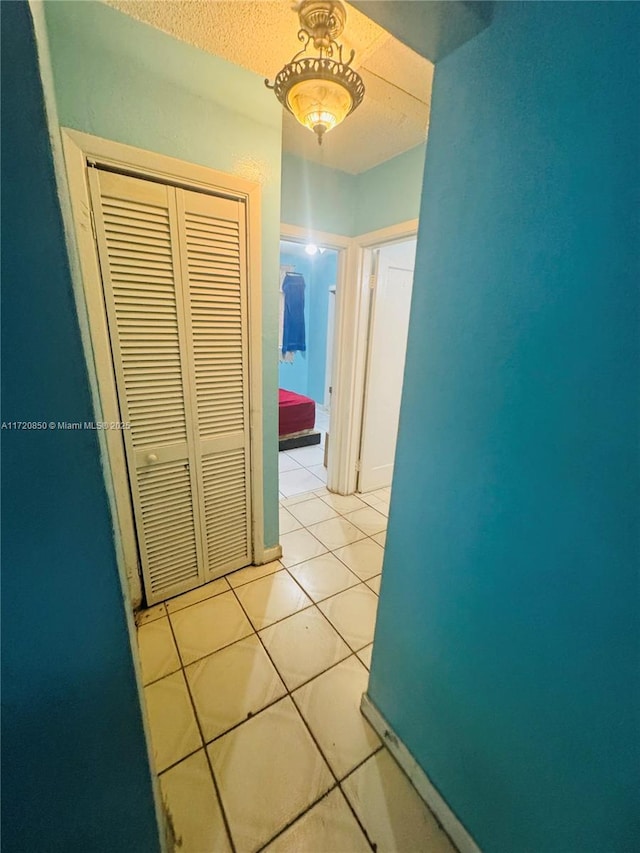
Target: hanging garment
(293, 332)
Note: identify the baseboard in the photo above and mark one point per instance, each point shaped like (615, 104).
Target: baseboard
(419, 779)
(269, 555)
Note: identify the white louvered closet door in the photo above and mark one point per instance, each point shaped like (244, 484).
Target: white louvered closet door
(213, 247)
(172, 292)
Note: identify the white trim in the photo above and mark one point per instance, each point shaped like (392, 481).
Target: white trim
(270, 554)
(338, 415)
(350, 340)
(80, 149)
(425, 788)
(308, 235)
(353, 334)
(391, 234)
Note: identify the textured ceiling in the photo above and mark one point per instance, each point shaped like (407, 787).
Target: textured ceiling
(261, 35)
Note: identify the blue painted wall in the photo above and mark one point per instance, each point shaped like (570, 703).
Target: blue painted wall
(120, 79)
(75, 769)
(294, 376)
(306, 375)
(506, 653)
(390, 192)
(317, 197)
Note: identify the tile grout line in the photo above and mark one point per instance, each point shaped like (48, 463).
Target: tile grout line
(216, 788)
(312, 736)
(288, 692)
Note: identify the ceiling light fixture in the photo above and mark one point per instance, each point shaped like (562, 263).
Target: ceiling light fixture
(320, 91)
(311, 249)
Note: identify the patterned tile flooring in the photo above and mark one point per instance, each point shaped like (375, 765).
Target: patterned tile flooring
(253, 685)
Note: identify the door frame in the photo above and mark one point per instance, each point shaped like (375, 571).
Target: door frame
(344, 247)
(350, 339)
(80, 151)
(372, 258)
(354, 344)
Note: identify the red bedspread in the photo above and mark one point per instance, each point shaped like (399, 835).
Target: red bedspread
(296, 413)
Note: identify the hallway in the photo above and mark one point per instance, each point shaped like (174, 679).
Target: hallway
(253, 686)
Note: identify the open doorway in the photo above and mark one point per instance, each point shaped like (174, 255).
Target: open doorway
(308, 280)
(391, 282)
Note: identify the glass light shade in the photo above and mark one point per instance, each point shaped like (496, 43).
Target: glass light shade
(319, 104)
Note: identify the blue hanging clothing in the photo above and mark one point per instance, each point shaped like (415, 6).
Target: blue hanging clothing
(293, 333)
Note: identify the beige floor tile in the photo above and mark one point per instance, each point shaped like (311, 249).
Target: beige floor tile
(269, 771)
(330, 705)
(288, 522)
(272, 598)
(312, 512)
(298, 482)
(364, 558)
(336, 532)
(300, 546)
(308, 456)
(369, 498)
(368, 519)
(353, 615)
(380, 538)
(174, 733)
(383, 506)
(393, 815)
(374, 583)
(303, 645)
(286, 463)
(296, 499)
(329, 827)
(365, 655)
(200, 594)
(158, 653)
(150, 614)
(252, 573)
(208, 626)
(231, 685)
(323, 576)
(343, 503)
(193, 808)
(321, 493)
(320, 472)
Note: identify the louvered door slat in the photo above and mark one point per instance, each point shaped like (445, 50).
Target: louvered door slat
(140, 263)
(214, 262)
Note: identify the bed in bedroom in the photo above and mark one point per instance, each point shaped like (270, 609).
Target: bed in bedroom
(296, 420)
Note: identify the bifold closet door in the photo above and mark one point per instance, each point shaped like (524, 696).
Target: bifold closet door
(213, 249)
(169, 307)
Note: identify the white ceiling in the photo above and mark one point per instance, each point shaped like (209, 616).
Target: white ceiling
(261, 35)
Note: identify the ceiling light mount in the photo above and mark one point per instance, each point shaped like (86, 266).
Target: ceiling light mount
(320, 91)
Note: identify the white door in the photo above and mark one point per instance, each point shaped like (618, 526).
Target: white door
(173, 270)
(390, 308)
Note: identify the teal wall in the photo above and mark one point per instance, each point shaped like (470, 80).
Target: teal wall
(390, 192)
(316, 197)
(75, 769)
(306, 375)
(506, 652)
(124, 80)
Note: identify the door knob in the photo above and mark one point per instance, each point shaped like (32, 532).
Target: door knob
(152, 457)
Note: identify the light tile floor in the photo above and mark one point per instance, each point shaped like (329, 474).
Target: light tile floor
(302, 470)
(253, 685)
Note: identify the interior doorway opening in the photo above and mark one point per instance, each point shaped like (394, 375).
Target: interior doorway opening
(390, 272)
(308, 286)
